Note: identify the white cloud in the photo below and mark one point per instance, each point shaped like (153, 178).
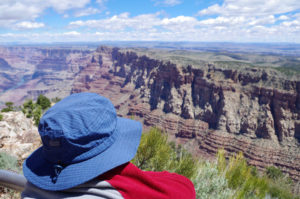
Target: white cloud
(18, 11)
(71, 33)
(120, 22)
(91, 10)
(62, 5)
(224, 21)
(283, 17)
(262, 20)
(86, 12)
(30, 9)
(178, 20)
(251, 8)
(186, 28)
(29, 25)
(180, 23)
(235, 20)
(257, 33)
(146, 22)
(167, 2)
(214, 9)
(7, 23)
(15, 14)
(253, 20)
(291, 23)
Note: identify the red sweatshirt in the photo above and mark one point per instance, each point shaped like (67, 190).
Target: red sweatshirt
(132, 182)
(126, 181)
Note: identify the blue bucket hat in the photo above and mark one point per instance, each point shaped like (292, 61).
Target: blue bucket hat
(82, 139)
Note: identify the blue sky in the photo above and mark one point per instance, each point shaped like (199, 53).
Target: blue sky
(45, 21)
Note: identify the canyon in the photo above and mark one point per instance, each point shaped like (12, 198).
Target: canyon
(39, 70)
(203, 107)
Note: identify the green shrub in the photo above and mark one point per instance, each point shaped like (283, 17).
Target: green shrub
(44, 102)
(277, 191)
(280, 185)
(185, 164)
(155, 153)
(237, 171)
(1, 117)
(210, 184)
(33, 110)
(274, 173)
(247, 182)
(8, 162)
(37, 115)
(153, 147)
(9, 107)
(28, 108)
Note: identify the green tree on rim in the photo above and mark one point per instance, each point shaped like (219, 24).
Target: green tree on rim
(44, 102)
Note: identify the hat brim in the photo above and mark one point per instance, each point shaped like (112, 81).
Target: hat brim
(38, 170)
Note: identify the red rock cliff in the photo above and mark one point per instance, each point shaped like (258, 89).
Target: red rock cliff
(206, 108)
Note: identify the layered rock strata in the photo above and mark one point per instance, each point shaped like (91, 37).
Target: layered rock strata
(203, 107)
(247, 110)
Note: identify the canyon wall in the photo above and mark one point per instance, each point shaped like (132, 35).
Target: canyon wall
(38, 70)
(204, 107)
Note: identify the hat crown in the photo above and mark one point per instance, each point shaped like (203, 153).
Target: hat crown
(77, 128)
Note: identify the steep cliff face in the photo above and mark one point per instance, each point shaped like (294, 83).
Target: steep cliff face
(238, 102)
(8, 76)
(207, 108)
(6, 81)
(4, 65)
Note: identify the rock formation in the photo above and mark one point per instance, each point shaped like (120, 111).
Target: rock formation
(202, 107)
(247, 110)
(18, 135)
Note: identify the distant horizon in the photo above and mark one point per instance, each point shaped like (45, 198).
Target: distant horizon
(274, 48)
(141, 41)
(241, 21)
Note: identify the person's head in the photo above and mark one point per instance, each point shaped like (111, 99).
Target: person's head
(82, 138)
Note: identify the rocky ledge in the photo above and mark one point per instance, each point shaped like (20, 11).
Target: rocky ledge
(18, 135)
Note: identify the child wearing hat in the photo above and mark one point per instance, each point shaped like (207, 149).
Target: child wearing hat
(86, 153)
